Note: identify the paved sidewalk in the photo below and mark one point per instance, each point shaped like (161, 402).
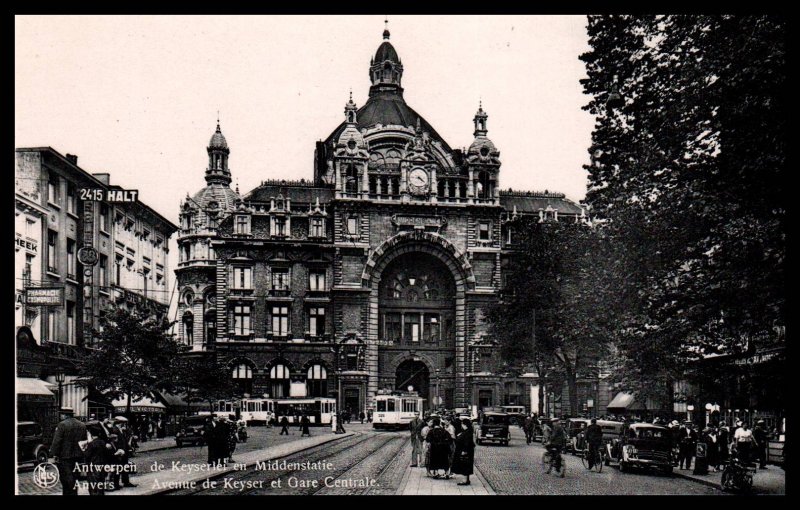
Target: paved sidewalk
(156, 482)
(416, 483)
(766, 481)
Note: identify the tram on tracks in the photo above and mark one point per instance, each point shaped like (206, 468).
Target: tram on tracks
(257, 411)
(395, 410)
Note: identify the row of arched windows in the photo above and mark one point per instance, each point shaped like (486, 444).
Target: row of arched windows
(280, 380)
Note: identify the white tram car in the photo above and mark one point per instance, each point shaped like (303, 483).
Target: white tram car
(395, 410)
(258, 410)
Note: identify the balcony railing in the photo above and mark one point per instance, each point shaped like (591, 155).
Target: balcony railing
(279, 291)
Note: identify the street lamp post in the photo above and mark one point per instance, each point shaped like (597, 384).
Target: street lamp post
(60, 378)
(438, 401)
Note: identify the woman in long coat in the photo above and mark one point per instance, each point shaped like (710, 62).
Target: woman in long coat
(440, 441)
(464, 455)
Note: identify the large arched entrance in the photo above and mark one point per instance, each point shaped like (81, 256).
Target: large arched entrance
(415, 375)
(421, 279)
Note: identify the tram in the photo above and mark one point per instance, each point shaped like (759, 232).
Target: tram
(256, 411)
(395, 410)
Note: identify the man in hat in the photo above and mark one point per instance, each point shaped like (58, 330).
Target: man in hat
(743, 437)
(761, 442)
(66, 451)
(97, 458)
(556, 443)
(594, 440)
(688, 440)
(416, 450)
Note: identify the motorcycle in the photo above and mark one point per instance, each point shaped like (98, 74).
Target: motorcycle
(737, 476)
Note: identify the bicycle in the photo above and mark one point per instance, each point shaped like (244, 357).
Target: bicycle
(550, 461)
(598, 459)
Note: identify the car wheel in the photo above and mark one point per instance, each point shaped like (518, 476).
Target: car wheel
(42, 456)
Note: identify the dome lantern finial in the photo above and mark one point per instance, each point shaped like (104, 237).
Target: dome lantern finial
(480, 120)
(386, 33)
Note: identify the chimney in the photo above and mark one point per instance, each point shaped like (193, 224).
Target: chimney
(104, 178)
(72, 158)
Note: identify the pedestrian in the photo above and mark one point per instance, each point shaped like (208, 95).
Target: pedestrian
(284, 422)
(743, 437)
(712, 448)
(304, 431)
(527, 426)
(440, 441)
(143, 423)
(96, 458)
(557, 439)
(426, 446)
(464, 456)
(66, 451)
(161, 430)
(594, 440)
(340, 424)
(334, 427)
(723, 442)
(761, 442)
(361, 416)
(369, 416)
(415, 426)
(687, 441)
(451, 429)
(546, 432)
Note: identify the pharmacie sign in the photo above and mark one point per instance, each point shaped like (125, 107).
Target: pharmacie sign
(45, 296)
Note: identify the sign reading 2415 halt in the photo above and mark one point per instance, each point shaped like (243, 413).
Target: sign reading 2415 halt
(109, 195)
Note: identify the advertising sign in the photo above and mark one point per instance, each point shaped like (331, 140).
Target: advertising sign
(45, 296)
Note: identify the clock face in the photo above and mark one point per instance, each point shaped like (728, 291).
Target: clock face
(418, 181)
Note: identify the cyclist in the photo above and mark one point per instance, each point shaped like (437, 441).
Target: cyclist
(558, 439)
(594, 440)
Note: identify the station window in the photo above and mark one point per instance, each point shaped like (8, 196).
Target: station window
(242, 278)
(317, 228)
(280, 321)
(280, 279)
(352, 225)
(316, 281)
(243, 225)
(483, 231)
(241, 320)
(316, 321)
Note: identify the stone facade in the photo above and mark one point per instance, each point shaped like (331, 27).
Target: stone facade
(380, 268)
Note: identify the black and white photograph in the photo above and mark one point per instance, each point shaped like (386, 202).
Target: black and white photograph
(397, 254)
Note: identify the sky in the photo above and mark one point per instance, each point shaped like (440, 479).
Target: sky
(138, 96)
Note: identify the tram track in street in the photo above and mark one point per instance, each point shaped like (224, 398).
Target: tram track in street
(345, 456)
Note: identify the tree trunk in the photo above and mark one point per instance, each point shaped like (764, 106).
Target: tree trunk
(669, 406)
(572, 384)
(541, 395)
(128, 404)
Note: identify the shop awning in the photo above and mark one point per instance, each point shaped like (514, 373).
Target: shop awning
(33, 386)
(139, 405)
(625, 400)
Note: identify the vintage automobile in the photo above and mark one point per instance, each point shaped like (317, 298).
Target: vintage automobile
(642, 445)
(576, 429)
(494, 428)
(515, 413)
(31, 446)
(191, 430)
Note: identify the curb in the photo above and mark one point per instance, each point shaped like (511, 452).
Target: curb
(230, 469)
(701, 481)
(485, 483)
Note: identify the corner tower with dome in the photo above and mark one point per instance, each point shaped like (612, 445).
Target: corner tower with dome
(374, 274)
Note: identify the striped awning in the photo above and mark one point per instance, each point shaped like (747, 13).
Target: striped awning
(33, 386)
(624, 400)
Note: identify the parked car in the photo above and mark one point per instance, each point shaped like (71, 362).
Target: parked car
(31, 445)
(494, 428)
(642, 445)
(190, 431)
(576, 432)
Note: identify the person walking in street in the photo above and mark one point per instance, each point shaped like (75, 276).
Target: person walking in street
(66, 450)
(451, 429)
(361, 416)
(712, 444)
(688, 440)
(594, 440)
(527, 426)
(723, 441)
(340, 424)
(415, 440)
(304, 431)
(546, 432)
(161, 428)
(464, 455)
(761, 442)
(743, 438)
(284, 426)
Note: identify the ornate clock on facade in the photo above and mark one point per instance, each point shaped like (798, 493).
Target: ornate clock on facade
(418, 181)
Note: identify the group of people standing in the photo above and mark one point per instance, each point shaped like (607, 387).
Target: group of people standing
(446, 445)
(102, 449)
(220, 437)
(747, 445)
